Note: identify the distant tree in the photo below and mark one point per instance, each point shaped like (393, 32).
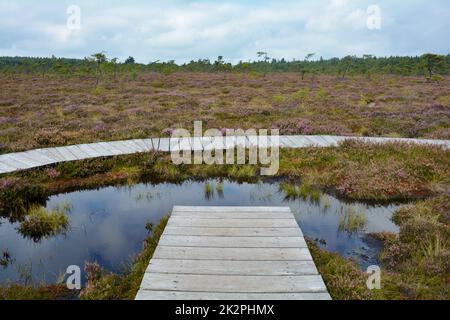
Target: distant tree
(130, 60)
(113, 63)
(263, 55)
(309, 56)
(218, 64)
(433, 63)
(266, 59)
(346, 63)
(99, 59)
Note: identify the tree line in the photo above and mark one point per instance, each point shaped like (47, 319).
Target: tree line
(99, 65)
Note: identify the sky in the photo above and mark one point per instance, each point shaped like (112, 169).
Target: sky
(184, 30)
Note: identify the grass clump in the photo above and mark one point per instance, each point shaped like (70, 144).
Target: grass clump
(344, 279)
(40, 223)
(241, 172)
(209, 191)
(301, 95)
(44, 292)
(220, 189)
(418, 258)
(304, 191)
(352, 221)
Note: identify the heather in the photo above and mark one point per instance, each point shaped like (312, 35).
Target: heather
(41, 111)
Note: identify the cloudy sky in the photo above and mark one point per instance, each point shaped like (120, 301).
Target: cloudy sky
(183, 30)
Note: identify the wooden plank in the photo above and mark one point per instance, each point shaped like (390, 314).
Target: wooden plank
(185, 144)
(232, 242)
(255, 254)
(121, 147)
(164, 145)
(232, 215)
(230, 142)
(320, 141)
(275, 142)
(330, 140)
(6, 168)
(299, 141)
(178, 221)
(207, 143)
(232, 267)
(30, 160)
(132, 146)
(67, 154)
(197, 144)
(189, 295)
(52, 153)
(90, 152)
(10, 161)
(109, 146)
(238, 232)
(174, 144)
(221, 283)
(143, 146)
(230, 209)
(252, 141)
(23, 159)
(285, 142)
(218, 143)
(100, 149)
(39, 156)
(155, 142)
(77, 152)
(148, 144)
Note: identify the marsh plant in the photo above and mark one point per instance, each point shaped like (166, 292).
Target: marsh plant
(5, 258)
(220, 189)
(352, 221)
(304, 191)
(209, 191)
(41, 223)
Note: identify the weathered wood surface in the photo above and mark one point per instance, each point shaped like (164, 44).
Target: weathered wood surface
(232, 253)
(41, 157)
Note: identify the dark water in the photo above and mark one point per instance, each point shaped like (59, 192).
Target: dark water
(108, 225)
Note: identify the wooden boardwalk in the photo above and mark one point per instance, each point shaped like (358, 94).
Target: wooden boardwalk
(41, 157)
(232, 253)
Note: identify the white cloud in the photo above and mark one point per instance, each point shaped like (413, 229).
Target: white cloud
(184, 30)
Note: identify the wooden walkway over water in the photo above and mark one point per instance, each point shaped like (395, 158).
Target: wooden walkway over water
(232, 253)
(41, 157)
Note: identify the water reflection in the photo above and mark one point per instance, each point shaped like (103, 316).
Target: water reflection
(109, 225)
